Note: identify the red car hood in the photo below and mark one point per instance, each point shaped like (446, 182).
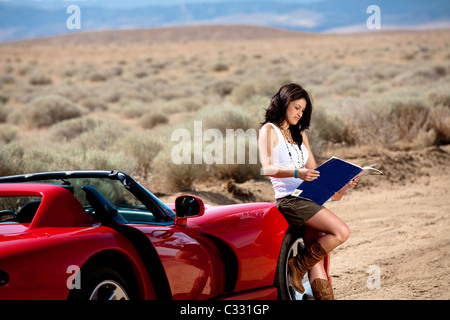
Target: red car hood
(232, 221)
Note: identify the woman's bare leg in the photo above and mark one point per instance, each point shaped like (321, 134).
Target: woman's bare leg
(335, 230)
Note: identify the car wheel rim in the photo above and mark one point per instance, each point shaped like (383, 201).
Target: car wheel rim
(109, 290)
(295, 248)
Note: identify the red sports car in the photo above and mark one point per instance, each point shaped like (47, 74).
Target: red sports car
(100, 235)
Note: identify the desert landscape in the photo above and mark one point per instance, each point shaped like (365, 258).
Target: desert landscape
(112, 100)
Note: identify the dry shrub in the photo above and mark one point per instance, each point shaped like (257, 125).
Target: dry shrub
(175, 177)
(439, 96)
(94, 104)
(151, 120)
(143, 148)
(48, 110)
(71, 91)
(387, 121)
(244, 164)
(328, 127)
(72, 128)
(6, 79)
(408, 117)
(219, 66)
(185, 104)
(3, 98)
(440, 124)
(422, 74)
(132, 108)
(11, 159)
(243, 92)
(103, 137)
(105, 74)
(225, 116)
(7, 133)
(40, 79)
(220, 87)
(102, 159)
(3, 113)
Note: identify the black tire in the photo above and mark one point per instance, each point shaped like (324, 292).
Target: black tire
(102, 283)
(291, 245)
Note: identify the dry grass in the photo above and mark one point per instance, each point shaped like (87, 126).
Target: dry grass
(112, 99)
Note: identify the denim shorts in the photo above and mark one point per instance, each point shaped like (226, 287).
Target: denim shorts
(297, 210)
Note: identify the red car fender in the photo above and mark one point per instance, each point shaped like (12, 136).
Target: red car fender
(53, 257)
(36, 256)
(253, 231)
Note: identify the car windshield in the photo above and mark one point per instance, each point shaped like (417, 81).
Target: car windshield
(133, 201)
(131, 208)
(113, 190)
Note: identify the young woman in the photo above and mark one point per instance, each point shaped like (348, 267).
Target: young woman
(287, 159)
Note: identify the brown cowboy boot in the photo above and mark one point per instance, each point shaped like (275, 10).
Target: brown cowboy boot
(322, 289)
(302, 262)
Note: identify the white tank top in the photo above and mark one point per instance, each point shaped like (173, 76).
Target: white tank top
(280, 157)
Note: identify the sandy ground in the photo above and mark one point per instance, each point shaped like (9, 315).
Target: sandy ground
(401, 230)
(399, 246)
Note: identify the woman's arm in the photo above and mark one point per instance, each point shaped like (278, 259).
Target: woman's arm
(311, 163)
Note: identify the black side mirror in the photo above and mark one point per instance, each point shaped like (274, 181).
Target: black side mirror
(188, 206)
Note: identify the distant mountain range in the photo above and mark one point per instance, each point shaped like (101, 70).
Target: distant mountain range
(28, 21)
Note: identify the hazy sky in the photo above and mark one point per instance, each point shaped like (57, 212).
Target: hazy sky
(130, 3)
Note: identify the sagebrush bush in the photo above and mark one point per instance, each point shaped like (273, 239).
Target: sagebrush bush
(94, 104)
(11, 159)
(143, 148)
(439, 95)
(69, 129)
(7, 79)
(186, 104)
(440, 124)
(422, 74)
(384, 120)
(220, 87)
(408, 115)
(329, 127)
(244, 165)
(152, 119)
(132, 108)
(3, 113)
(40, 79)
(243, 92)
(7, 133)
(48, 110)
(170, 177)
(104, 136)
(225, 116)
(219, 66)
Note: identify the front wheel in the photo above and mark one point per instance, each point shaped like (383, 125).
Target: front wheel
(291, 245)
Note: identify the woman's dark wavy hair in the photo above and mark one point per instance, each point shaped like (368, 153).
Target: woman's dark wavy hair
(279, 103)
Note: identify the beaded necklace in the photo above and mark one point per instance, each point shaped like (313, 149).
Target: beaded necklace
(286, 140)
